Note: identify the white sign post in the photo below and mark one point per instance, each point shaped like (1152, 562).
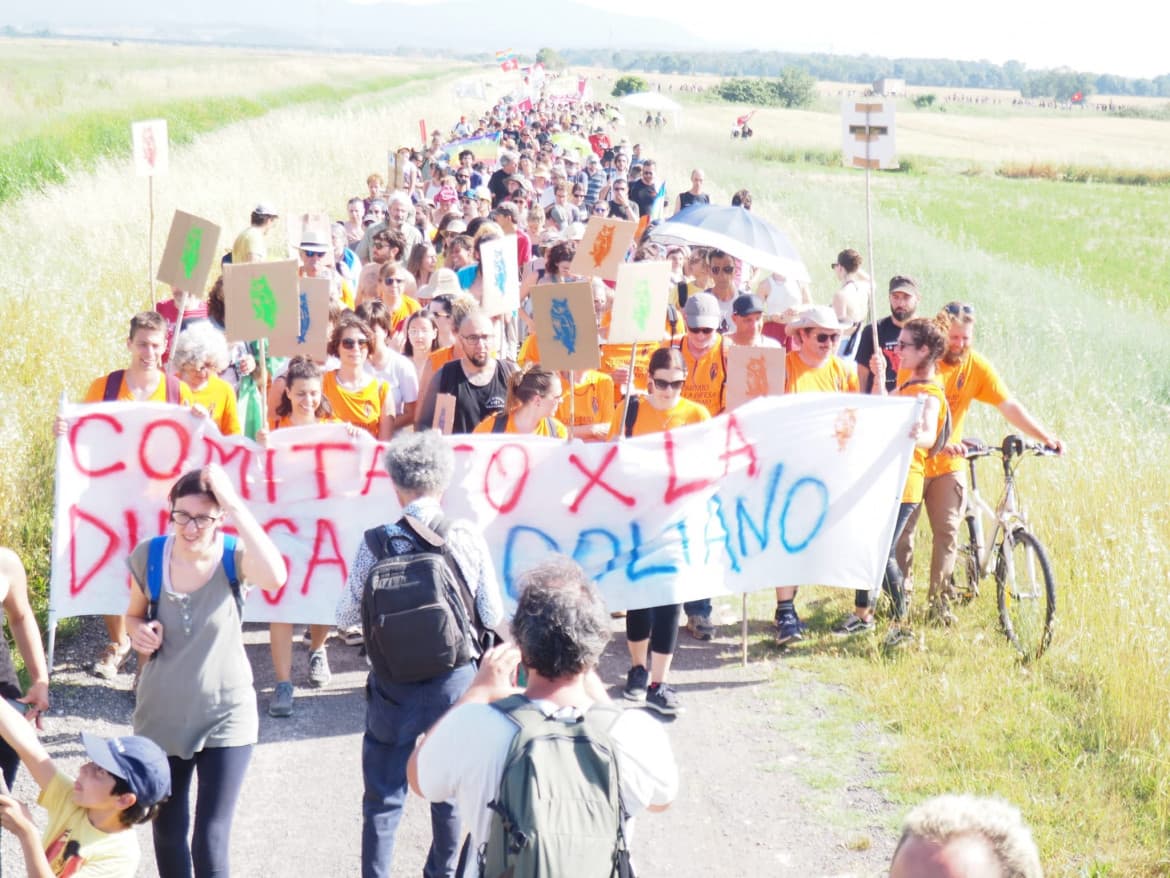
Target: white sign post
(867, 130)
(151, 158)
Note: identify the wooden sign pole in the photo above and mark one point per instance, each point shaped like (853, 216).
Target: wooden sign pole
(150, 243)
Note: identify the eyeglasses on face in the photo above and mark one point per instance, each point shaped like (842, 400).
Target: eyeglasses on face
(823, 337)
(902, 345)
(351, 343)
(201, 522)
(476, 339)
(957, 308)
(668, 385)
(701, 330)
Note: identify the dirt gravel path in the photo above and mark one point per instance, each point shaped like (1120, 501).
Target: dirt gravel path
(777, 772)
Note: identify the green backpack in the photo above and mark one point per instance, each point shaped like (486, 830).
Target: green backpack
(558, 810)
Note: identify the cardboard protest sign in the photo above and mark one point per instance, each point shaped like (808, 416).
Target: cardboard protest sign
(151, 147)
(639, 302)
(312, 329)
(500, 276)
(189, 253)
(867, 132)
(566, 328)
(261, 300)
(754, 372)
(444, 418)
(603, 248)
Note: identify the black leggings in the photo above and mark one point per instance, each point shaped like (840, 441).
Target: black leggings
(221, 774)
(659, 624)
(9, 763)
(892, 582)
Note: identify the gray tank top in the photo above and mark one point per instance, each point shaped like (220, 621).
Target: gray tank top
(197, 690)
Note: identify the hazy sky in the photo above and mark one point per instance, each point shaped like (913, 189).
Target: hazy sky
(1122, 36)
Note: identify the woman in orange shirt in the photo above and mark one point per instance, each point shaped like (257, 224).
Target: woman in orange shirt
(302, 404)
(533, 396)
(652, 633)
(201, 353)
(357, 397)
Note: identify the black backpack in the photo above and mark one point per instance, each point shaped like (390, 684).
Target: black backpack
(418, 614)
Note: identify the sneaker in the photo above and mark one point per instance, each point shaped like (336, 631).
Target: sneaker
(352, 636)
(662, 698)
(282, 700)
(111, 660)
(899, 636)
(700, 627)
(789, 628)
(319, 673)
(853, 624)
(940, 614)
(636, 682)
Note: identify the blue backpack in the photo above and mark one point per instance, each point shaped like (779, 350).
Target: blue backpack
(154, 573)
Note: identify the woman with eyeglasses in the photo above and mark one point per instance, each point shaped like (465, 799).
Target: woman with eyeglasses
(921, 342)
(395, 290)
(195, 697)
(357, 397)
(422, 339)
(534, 393)
(652, 633)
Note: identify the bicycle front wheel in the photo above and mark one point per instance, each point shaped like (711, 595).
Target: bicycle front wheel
(1026, 593)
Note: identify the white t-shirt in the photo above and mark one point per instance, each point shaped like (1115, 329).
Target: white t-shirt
(400, 374)
(463, 759)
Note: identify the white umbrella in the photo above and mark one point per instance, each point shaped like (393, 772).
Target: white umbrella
(737, 231)
(650, 100)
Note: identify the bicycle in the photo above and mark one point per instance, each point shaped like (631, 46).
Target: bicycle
(1025, 590)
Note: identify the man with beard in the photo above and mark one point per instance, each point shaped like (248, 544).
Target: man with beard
(477, 380)
(966, 376)
(904, 298)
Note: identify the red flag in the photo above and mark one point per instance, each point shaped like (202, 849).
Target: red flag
(743, 120)
(525, 106)
(422, 130)
(510, 64)
(581, 86)
(1077, 98)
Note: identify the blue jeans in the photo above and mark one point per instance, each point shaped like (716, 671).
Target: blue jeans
(700, 607)
(396, 714)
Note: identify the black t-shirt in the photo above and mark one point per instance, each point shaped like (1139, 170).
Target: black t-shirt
(472, 403)
(686, 199)
(498, 187)
(888, 332)
(643, 196)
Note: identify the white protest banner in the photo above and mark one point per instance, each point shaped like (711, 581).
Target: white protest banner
(151, 147)
(794, 490)
(500, 277)
(639, 302)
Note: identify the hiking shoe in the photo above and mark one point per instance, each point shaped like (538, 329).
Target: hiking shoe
(282, 700)
(662, 698)
(940, 614)
(700, 627)
(789, 628)
(899, 636)
(319, 673)
(111, 660)
(352, 636)
(853, 624)
(636, 682)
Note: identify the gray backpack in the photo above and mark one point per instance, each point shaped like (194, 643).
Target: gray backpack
(558, 810)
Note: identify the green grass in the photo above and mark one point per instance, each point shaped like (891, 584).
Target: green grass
(76, 142)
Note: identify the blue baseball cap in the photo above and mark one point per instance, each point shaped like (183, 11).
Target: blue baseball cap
(137, 760)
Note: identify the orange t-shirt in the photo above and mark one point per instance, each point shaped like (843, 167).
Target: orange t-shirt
(405, 307)
(652, 420)
(218, 397)
(706, 380)
(912, 492)
(362, 408)
(283, 422)
(972, 379)
(835, 376)
(617, 356)
(441, 357)
(593, 400)
(97, 391)
(543, 426)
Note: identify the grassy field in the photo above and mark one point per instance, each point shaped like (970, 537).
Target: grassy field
(1067, 281)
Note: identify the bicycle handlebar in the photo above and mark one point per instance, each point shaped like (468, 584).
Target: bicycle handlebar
(1012, 446)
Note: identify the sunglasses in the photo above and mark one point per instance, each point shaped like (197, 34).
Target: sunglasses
(823, 337)
(313, 254)
(350, 343)
(722, 269)
(668, 385)
(701, 331)
(955, 309)
(833, 265)
(902, 345)
(389, 281)
(439, 313)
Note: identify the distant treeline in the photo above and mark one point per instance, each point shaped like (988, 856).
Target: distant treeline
(935, 72)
